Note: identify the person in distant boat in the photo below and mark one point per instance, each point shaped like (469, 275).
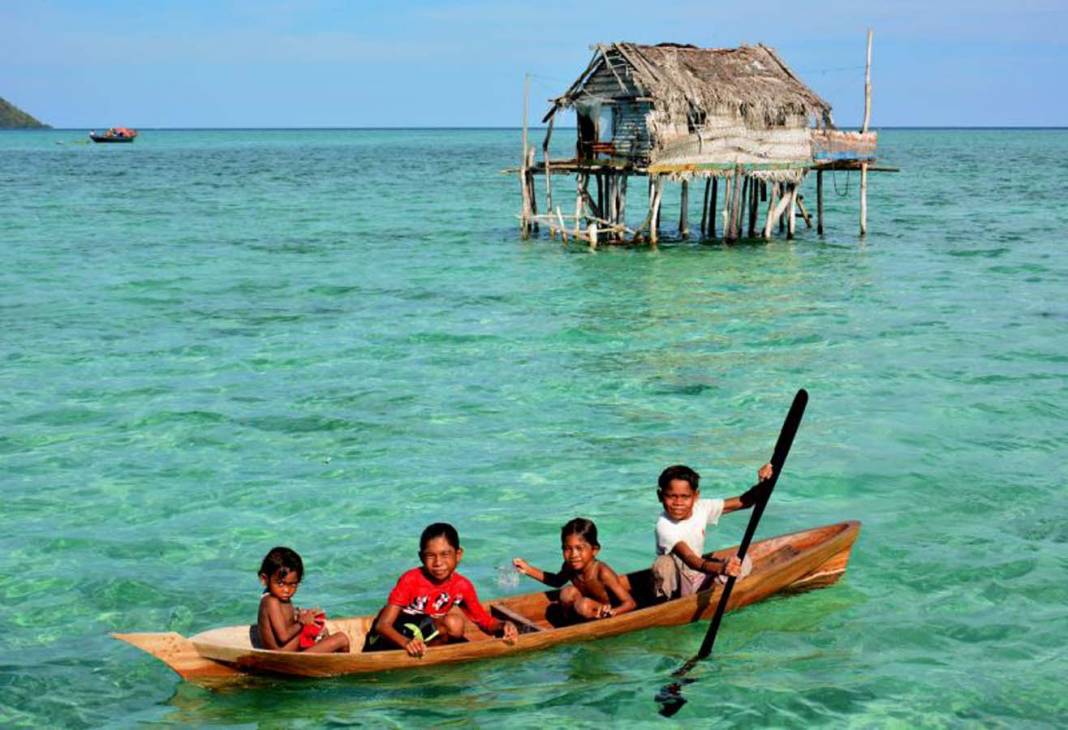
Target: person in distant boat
(680, 568)
(421, 610)
(281, 626)
(596, 591)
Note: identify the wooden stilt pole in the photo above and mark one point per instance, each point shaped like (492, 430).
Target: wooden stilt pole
(804, 213)
(704, 210)
(772, 207)
(754, 195)
(532, 188)
(622, 200)
(712, 209)
(791, 216)
(524, 221)
(744, 207)
(819, 202)
(579, 183)
(736, 205)
(864, 129)
(654, 210)
(548, 171)
(728, 195)
(684, 223)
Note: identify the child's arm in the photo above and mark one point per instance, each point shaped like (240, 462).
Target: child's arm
(712, 566)
(277, 632)
(613, 583)
(550, 579)
(384, 626)
(748, 499)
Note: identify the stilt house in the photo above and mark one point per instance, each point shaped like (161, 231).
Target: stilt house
(678, 112)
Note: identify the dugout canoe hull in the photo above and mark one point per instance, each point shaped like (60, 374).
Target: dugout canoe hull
(790, 563)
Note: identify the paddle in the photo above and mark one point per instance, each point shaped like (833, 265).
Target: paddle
(670, 696)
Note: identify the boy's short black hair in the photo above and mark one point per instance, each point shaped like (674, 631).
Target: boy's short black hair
(678, 471)
(282, 561)
(583, 528)
(439, 529)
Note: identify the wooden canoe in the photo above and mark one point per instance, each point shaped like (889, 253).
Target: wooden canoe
(786, 564)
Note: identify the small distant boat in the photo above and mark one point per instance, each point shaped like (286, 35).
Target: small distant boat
(115, 134)
(787, 564)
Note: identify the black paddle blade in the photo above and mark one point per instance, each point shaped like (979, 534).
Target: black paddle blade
(670, 698)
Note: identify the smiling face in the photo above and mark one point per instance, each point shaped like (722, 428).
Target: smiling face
(678, 499)
(440, 558)
(578, 553)
(281, 586)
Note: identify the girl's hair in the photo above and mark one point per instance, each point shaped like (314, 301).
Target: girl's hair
(282, 561)
(439, 529)
(583, 528)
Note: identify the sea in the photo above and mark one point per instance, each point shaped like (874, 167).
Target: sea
(213, 342)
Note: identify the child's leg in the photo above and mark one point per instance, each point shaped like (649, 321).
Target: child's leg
(576, 603)
(338, 642)
(665, 577)
(450, 626)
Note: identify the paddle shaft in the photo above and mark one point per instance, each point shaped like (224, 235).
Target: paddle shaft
(782, 448)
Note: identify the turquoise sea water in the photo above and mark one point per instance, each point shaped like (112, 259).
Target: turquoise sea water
(215, 342)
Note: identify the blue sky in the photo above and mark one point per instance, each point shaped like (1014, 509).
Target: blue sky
(353, 64)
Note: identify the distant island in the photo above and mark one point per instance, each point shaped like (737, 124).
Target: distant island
(11, 117)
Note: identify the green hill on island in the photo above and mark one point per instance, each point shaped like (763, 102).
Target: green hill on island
(11, 117)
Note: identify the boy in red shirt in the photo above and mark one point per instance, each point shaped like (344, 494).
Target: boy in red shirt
(417, 613)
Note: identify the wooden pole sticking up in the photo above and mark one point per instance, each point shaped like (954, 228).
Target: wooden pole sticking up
(867, 120)
(684, 223)
(704, 210)
(524, 221)
(819, 202)
(548, 172)
(712, 209)
(791, 216)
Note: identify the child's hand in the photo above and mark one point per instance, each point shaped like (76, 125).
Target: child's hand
(509, 632)
(307, 616)
(605, 611)
(765, 472)
(733, 567)
(415, 648)
(521, 566)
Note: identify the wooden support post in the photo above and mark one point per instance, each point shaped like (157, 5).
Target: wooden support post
(712, 210)
(754, 195)
(684, 223)
(772, 207)
(804, 213)
(704, 209)
(524, 219)
(563, 228)
(591, 230)
(548, 170)
(728, 189)
(743, 208)
(864, 198)
(622, 208)
(532, 188)
(819, 202)
(791, 216)
(579, 182)
(867, 120)
(654, 210)
(736, 206)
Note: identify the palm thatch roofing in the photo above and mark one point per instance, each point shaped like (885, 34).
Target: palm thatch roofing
(691, 82)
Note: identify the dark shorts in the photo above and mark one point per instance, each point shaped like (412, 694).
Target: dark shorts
(409, 625)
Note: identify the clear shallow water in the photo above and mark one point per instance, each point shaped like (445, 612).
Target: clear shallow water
(214, 342)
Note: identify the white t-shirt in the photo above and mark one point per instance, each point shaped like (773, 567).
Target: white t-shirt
(691, 531)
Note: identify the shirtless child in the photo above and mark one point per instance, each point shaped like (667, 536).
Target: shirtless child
(596, 591)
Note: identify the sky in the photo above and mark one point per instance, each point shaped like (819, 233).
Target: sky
(266, 63)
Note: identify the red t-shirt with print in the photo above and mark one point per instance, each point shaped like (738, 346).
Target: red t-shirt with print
(416, 594)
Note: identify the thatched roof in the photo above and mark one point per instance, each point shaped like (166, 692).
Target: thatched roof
(684, 80)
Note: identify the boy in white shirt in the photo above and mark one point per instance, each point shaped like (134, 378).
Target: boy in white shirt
(679, 569)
